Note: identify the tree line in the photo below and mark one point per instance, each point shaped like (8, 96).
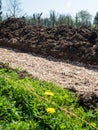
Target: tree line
(82, 18)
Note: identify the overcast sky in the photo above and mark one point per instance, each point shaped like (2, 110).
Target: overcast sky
(60, 6)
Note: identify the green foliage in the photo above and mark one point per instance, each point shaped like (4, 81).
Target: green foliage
(65, 20)
(52, 21)
(52, 18)
(0, 10)
(84, 18)
(23, 104)
(96, 20)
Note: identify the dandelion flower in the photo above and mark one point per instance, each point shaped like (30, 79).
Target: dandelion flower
(49, 93)
(50, 110)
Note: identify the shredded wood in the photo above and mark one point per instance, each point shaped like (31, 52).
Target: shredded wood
(67, 74)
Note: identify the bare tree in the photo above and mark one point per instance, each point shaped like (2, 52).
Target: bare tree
(13, 8)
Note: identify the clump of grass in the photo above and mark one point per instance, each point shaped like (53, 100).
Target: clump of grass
(31, 104)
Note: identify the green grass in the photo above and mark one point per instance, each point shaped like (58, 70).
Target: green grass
(23, 105)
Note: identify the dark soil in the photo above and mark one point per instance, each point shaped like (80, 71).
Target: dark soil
(64, 42)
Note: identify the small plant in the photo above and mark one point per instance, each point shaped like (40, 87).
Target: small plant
(31, 104)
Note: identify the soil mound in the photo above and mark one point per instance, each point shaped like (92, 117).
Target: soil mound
(64, 42)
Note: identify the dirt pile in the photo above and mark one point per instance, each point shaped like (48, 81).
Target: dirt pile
(66, 42)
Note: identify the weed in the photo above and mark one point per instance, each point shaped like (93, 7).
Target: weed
(31, 104)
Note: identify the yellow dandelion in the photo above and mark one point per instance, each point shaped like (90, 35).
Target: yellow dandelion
(50, 110)
(48, 93)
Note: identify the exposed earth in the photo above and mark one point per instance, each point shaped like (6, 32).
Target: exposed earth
(64, 42)
(75, 52)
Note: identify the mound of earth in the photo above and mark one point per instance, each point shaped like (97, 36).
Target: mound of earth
(64, 42)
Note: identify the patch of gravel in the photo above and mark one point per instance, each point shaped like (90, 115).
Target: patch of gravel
(73, 76)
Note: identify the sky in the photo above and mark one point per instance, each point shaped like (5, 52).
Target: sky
(60, 6)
